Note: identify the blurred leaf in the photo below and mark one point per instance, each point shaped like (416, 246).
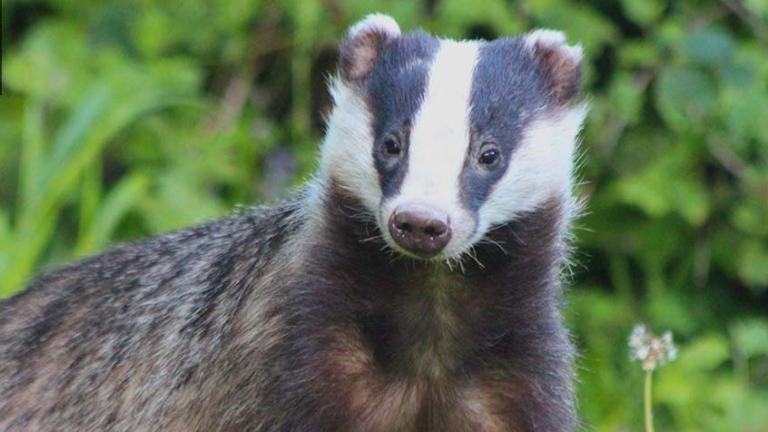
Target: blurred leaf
(109, 27)
(455, 17)
(99, 117)
(234, 15)
(31, 161)
(710, 46)
(670, 310)
(753, 263)
(120, 200)
(667, 183)
(65, 149)
(639, 54)
(750, 217)
(406, 12)
(6, 238)
(744, 109)
(757, 7)
(50, 63)
(672, 32)
(579, 21)
(685, 97)
(155, 32)
(705, 353)
(626, 97)
(751, 337)
(181, 200)
(643, 12)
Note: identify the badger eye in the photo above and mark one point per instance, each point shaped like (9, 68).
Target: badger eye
(489, 157)
(392, 146)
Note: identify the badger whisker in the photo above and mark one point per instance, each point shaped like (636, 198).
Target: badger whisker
(373, 238)
(494, 243)
(472, 253)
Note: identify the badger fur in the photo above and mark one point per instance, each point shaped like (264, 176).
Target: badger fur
(413, 284)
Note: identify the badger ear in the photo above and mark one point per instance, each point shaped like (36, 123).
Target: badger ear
(360, 50)
(559, 63)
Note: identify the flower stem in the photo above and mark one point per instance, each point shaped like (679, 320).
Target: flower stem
(648, 408)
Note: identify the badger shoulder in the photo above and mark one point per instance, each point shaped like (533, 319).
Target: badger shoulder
(173, 266)
(113, 318)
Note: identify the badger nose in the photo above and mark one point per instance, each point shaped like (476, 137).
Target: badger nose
(419, 229)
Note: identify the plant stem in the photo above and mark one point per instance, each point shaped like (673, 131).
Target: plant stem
(648, 409)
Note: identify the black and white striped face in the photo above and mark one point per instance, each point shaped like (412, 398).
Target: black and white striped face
(443, 140)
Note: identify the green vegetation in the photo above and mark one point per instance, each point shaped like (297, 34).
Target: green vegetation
(123, 119)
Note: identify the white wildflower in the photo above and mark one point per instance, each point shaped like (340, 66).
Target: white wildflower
(649, 349)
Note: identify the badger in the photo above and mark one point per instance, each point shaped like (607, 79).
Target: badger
(413, 284)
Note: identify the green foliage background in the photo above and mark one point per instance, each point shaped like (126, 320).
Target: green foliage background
(123, 119)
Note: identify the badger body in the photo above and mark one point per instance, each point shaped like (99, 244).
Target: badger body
(413, 284)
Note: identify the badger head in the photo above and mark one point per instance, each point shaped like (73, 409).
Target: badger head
(443, 140)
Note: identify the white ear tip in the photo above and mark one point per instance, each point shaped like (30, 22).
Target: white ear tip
(380, 22)
(576, 52)
(553, 39)
(545, 36)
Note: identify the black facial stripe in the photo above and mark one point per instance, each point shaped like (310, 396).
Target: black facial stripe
(506, 92)
(395, 91)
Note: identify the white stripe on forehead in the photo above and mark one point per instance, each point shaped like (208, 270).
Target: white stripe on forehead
(440, 133)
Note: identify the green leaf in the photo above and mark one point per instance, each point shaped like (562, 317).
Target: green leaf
(51, 64)
(710, 46)
(752, 261)
(691, 199)
(121, 199)
(744, 109)
(31, 167)
(102, 113)
(155, 32)
(67, 147)
(181, 200)
(6, 241)
(668, 183)
(750, 336)
(407, 13)
(458, 16)
(643, 54)
(579, 21)
(750, 216)
(646, 192)
(626, 98)
(757, 7)
(643, 12)
(671, 311)
(685, 97)
(705, 353)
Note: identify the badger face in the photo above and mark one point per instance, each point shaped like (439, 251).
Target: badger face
(444, 140)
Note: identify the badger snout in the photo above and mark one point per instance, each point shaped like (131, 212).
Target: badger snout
(420, 229)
